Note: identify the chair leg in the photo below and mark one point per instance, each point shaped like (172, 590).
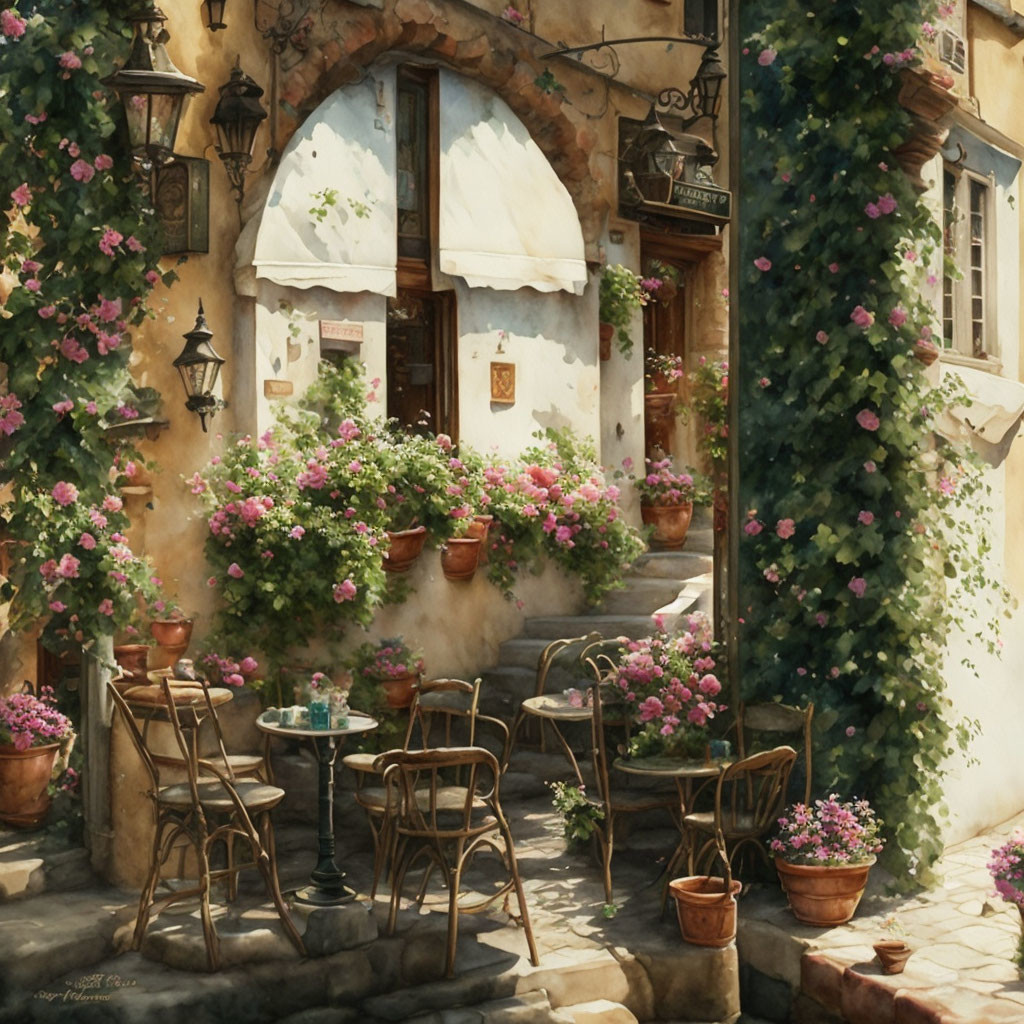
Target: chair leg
(232, 877)
(398, 869)
(524, 910)
(454, 880)
(149, 889)
(380, 845)
(266, 861)
(209, 931)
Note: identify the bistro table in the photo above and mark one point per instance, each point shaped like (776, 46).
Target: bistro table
(684, 773)
(556, 709)
(327, 882)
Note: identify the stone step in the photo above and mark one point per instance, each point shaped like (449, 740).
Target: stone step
(643, 595)
(28, 868)
(680, 565)
(600, 1011)
(554, 626)
(471, 989)
(529, 1008)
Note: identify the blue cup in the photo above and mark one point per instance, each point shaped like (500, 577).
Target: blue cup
(720, 748)
(319, 715)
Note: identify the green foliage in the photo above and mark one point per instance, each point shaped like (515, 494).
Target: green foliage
(580, 817)
(78, 258)
(620, 296)
(843, 550)
(709, 398)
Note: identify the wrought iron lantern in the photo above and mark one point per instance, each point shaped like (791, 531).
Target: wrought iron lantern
(704, 98)
(152, 90)
(652, 160)
(213, 12)
(237, 119)
(199, 366)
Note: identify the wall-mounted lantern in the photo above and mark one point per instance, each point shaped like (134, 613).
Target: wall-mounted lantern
(199, 366)
(237, 119)
(213, 14)
(704, 97)
(152, 90)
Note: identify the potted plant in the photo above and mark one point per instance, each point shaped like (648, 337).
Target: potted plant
(667, 499)
(620, 296)
(706, 905)
(580, 816)
(823, 855)
(662, 372)
(662, 281)
(392, 664)
(32, 731)
(172, 631)
(667, 683)
(1007, 870)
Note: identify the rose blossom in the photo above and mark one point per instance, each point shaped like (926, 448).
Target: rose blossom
(785, 528)
(867, 419)
(235, 571)
(64, 493)
(858, 585)
(763, 263)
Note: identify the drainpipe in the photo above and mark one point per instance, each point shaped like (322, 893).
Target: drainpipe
(96, 714)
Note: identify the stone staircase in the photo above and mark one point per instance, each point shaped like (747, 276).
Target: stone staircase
(32, 863)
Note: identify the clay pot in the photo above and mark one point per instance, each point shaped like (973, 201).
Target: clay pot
(131, 659)
(670, 522)
(892, 954)
(823, 895)
(605, 334)
(481, 527)
(401, 690)
(659, 384)
(659, 421)
(706, 912)
(460, 557)
(24, 778)
(404, 547)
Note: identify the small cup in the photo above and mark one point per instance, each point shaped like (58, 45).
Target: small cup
(288, 718)
(720, 748)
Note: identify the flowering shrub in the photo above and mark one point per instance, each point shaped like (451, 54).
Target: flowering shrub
(78, 258)
(843, 554)
(829, 833)
(661, 368)
(709, 398)
(661, 486)
(389, 658)
(555, 501)
(1007, 870)
(30, 721)
(669, 682)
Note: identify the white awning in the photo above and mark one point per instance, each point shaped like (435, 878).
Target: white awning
(506, 220)
(347, 146)
(992, 420)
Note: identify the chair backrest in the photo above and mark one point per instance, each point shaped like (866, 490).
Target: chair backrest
(616, 730)
(439, 705)
(751, 792)
(552, 651)
(425, 804)
(776, 720)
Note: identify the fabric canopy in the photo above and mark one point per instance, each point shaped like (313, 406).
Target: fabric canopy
(344, 146)
(506, 220)
(992, 420)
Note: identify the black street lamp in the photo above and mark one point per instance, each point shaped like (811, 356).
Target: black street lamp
(704, 97)
(199, 366)
(237, 119)
(152, 90)
(213, 12)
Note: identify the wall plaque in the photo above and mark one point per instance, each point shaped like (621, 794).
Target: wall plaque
(339, 336)
(181, 197)
(503, 383)
(278, 388)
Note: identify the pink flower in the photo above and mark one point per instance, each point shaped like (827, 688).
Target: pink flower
(152, 276)
(869, 466)
(872, 211)
(753, 528)
(861, 317)
(344, 591)
(68, 567)
(296, 532)
(64, 493)
(58, 606)
(763, 263)
(32, 284)
(898, 317)
(110, 237)
(821, 337)
(82, 170)
(858, 585)
(235, 571)
(785, 528)
(134, 244)
(946, 486)
(512, 16)
(850, 730)
(112, 503)
(12, 26)
(108, 310)
(833, 268)
(865, 518)
(105, 607)
(248, 665)
(87, 541)
(766, 57)
(867, 419)
(70, 60)
(211, 581)
(103, 162)
(10, 418)
(886, 203)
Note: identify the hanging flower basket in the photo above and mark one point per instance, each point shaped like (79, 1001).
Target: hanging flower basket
(404, 547)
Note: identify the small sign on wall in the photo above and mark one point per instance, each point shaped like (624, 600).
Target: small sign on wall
(340, 336)
(278, 388)
(503, 383)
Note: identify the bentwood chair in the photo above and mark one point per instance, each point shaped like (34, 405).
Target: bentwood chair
(202, 812)
(776, 721)
(445, 826)
(749, 797)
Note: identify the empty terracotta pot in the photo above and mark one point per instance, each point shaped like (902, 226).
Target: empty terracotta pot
(892, 954)
(459, 557)
(404, 547)
(706, 912)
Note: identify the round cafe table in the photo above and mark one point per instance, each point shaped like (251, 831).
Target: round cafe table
(327, 882)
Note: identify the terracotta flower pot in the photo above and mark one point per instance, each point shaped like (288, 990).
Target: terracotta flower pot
(706, 912)
(172, 637)
(892, 954)
(659, 384)
(404, 547)
(24, 778)
(605, 334)
(823, 895)
(670, 522)
(131, 659)
(481, 527)
(400, 690)
(460, 557)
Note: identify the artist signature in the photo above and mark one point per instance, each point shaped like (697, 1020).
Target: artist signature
(90, 988)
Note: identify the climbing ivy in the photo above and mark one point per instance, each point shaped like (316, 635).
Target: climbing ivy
(846, 497)
(78, 258)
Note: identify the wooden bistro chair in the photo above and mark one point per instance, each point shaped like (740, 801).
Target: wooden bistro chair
(777, 723)
(749, 797)
(442, 710)
(446, 826)
(204, 811)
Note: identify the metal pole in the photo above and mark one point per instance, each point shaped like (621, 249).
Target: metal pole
(96, 715)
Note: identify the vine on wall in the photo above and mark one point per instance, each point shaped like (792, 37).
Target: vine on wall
(845, 494)
(78, 258)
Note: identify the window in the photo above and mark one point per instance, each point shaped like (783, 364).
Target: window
(421, 323)
(967, 321)
(700, 18)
